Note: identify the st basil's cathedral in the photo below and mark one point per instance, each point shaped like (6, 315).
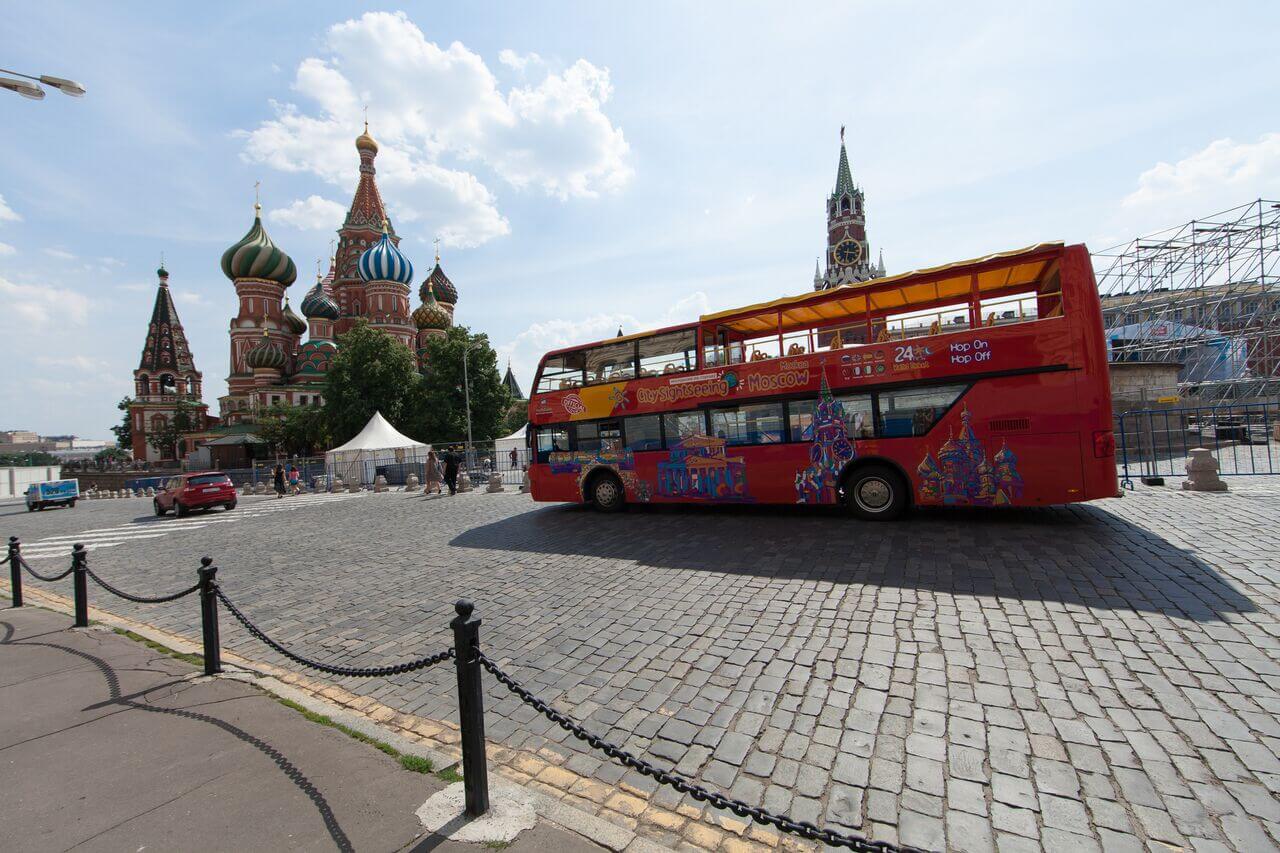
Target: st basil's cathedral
(369, 278)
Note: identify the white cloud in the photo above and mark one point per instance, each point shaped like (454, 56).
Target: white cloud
(310, 214)
(7, 213)
(428, 104)
(519, 61)
(81, 363)
(1222, 173)
(191, 298)
(136, 287)
(36, 307)
(6, 249)
(60, 254)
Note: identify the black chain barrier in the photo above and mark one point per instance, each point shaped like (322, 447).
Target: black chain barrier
(139, 599)
(804, 829)
(358, 672)
(48, 578)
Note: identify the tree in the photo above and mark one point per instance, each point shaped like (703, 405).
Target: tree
(295, 430)
(440, 412)
(111, 454)
(29, 458)
(517, 416)
(371, 372)
(168, 438)
(124, 430)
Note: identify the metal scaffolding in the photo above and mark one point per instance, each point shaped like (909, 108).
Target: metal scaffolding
(1206, 295)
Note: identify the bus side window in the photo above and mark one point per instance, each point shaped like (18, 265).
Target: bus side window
(644, 432)
(914, 411)
(552, 439)
(681, 425)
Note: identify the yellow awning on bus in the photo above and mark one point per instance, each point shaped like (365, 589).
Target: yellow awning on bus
(900, 293)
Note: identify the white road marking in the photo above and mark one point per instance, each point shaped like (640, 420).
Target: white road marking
(52, 547)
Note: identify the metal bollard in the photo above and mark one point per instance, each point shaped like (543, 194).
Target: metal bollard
(475, 769)
(80, 574)
(209, 616)
(15, 570)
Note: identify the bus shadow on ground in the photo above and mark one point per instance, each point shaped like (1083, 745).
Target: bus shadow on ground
(1078, 554)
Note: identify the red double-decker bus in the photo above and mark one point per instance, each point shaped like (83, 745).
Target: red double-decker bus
(980, 383)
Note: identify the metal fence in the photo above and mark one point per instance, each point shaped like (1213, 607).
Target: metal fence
(480, 460)
(1244, 438)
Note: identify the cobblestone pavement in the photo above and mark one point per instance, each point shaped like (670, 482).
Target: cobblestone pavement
(1102, 676)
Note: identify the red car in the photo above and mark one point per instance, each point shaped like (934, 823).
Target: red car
(195, 491)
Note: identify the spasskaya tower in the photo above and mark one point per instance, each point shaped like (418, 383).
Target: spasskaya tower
(848, 252)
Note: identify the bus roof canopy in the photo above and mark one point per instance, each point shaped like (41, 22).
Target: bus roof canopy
(903, 292)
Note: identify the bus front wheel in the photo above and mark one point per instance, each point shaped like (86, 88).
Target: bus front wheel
(606, 493)
(875, 493)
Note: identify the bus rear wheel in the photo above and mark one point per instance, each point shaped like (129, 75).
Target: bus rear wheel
(875, 493)
(606, 493)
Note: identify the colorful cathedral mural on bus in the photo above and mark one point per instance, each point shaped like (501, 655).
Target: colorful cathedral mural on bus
(830, 451)
(961, 474)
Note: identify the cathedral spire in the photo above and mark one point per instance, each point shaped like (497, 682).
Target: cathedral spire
(844, 178)
(166, 347)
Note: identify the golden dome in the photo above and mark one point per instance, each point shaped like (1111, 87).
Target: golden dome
(364, 142)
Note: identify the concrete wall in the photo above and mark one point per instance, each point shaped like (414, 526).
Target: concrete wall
(14, 480)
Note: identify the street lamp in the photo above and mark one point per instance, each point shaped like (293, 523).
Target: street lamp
(33, 91)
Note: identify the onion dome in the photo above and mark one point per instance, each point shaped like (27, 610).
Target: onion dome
(430, 314)
(444, 289)
(384, 262)
(267, 354)
(1004, 456)
(292, 321)
(255, 256)
(314, 357)
(928, 468)
(319, 304)
(364, 142)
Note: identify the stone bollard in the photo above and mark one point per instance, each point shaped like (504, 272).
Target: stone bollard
(464, 482)
(137, 493)
(1202, 472)
(336, 485)
(151, 491)
(525, 485)
(246, 489)
(380, 483)
(495, 483)
(353, 488)
(411, 483)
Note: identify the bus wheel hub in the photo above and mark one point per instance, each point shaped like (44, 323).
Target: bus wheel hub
(873, 494)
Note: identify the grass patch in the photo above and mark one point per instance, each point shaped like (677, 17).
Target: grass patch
(415, 763)
(450, 775)
(497, 845)
(194, 660)
(408, 762)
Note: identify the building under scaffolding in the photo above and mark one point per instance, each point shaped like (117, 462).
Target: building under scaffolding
(1205, 295)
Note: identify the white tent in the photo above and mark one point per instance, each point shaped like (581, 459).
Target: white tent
(378, 445)
(502, 448)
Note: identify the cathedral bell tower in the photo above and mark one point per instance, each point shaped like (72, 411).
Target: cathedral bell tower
(848, 252)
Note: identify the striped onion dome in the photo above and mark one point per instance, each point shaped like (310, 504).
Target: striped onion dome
(266, 354)
(384, 262)
(317, 303)
(314, 357)
(255, 256)
(292, 321)
(430, 314)
(438, 281)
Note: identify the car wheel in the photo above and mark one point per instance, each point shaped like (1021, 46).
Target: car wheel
(32, 507)
(607, 493)
(876, 493)
(156, 505)
(72, 504)
(231, 506)
(181, 509)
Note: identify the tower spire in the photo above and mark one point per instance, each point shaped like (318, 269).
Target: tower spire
(844, 178)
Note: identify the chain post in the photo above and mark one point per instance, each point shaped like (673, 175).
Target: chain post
(209, 616)
(80, 575)
(475, 769)
(15, 570)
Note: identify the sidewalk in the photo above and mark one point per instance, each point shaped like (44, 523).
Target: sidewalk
(106, 744)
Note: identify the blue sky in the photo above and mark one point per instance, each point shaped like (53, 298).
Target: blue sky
(587, 165)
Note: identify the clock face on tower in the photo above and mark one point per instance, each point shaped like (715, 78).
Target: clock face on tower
(848, 252)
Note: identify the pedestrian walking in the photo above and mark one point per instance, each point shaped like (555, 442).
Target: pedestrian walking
(277, 480)
(515, 458)
(295, 487)
(451, 462)
(435, 473)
